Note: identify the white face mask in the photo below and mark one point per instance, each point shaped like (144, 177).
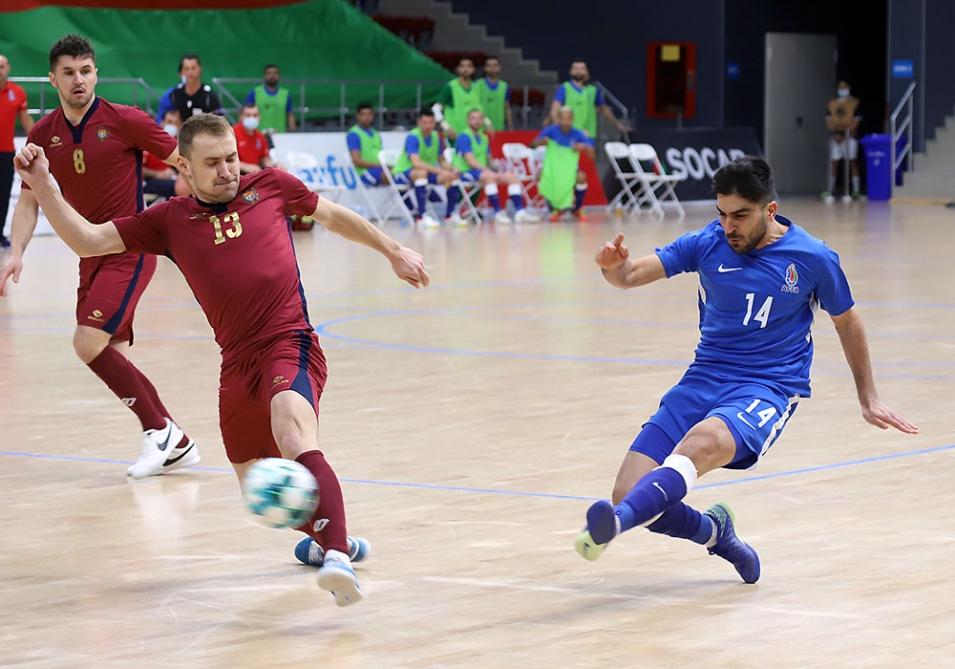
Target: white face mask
(250, 122)
(171, 130)
(843, 92)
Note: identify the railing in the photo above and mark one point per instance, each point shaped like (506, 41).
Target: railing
(614, 102)
(905, 128)
(142, 94)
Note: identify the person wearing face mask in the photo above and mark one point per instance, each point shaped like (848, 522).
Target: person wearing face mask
(842, 121)
(159, 178)
(584, 100)
(252, 144)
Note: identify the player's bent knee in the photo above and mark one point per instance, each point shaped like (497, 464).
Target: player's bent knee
(709, 444)
(89, 343)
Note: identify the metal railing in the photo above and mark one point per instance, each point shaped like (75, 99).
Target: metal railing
(905, 128)
(141, 93)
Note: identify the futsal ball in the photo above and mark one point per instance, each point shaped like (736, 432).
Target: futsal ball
(281, 493)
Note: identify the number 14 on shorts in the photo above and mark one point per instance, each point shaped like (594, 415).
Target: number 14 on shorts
(764, 416)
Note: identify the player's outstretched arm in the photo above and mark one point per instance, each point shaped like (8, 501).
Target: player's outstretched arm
(21, 232)
(622, 271)
(79, 234)
(407, 263)
(852, 336)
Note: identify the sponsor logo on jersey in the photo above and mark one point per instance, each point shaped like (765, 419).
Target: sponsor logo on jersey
(10, 96)
(792, 278)
(102, 134)
(279, 379)
(97, 315)
(55, 140)
(250, 196)
(320, 524)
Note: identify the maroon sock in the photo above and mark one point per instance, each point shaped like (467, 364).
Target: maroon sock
(130, 386)
(332, 533)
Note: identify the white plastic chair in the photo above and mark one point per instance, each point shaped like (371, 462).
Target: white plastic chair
(654, 183)
(399, 190)
(526, 163)
(621, 161)
(303, 165)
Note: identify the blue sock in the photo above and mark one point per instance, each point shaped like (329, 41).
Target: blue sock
(454, 194)
(653, 494)
(495, 201)
(421, 195)
(684, 522)
(580, 192)
(518, 202)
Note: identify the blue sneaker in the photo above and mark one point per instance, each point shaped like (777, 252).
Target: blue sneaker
(602, 522)
(310, 553)
(729, 546)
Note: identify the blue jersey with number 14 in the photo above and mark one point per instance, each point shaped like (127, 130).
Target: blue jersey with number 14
(756, 309)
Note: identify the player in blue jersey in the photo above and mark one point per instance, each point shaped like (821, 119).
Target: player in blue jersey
(761, 277)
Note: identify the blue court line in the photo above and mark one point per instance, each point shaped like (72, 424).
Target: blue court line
(522, 493)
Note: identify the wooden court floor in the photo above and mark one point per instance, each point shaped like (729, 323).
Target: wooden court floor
(472, 423)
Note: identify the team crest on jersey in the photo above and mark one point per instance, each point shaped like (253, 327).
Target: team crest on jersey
(792, 278)
(55, 140)
(10, 96)
(97, 315)
(250, 196)
(102, 134)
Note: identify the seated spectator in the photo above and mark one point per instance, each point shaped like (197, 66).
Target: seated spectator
(252, 145)
(193, 97)
(422, 163)
(471, 152)
(562, 183)
(364, 144)
(160, 178)
(274, 102)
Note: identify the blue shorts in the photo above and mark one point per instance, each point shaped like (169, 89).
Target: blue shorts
(372, 176)
(754, 412)
(405, 178)
(471, 176)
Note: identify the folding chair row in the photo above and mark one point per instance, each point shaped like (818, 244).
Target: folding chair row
(642, 189)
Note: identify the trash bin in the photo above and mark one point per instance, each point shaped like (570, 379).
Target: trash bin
(878, 156)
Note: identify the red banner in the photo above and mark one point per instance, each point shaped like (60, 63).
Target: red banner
(595, 190)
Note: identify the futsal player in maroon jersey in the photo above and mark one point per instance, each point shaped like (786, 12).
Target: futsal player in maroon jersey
(233, 244)
(95, 153)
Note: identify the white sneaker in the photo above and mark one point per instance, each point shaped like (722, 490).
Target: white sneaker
(160, 454)
(455, 219)
(525, 216)
(501, 218)
(429, 221)
(337, 577)
(847, 198)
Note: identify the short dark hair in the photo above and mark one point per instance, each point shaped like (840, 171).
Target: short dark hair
(466, 58)
(247, 105)
(201, 124)
(750, 177)
(491, 58)
(364, 105)
(270, 66)
(426, 112)
(189, 56)
(70, 45)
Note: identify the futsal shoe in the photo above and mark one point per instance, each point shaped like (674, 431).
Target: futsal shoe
(579, 215)
(457, 221)
(524, 216)
(587, 548)
(429, 221)
(501, 218)
(730, 547)
(161, 452)
(308, 552)
(337, 576)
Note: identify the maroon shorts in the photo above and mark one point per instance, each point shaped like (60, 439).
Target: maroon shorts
(293, 361)
(109, 290)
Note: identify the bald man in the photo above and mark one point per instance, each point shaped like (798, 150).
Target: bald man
(13, 106)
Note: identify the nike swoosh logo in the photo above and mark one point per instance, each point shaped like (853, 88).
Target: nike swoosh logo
(666, 498)
(164, 445)
(172, 461)
(724, 270)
